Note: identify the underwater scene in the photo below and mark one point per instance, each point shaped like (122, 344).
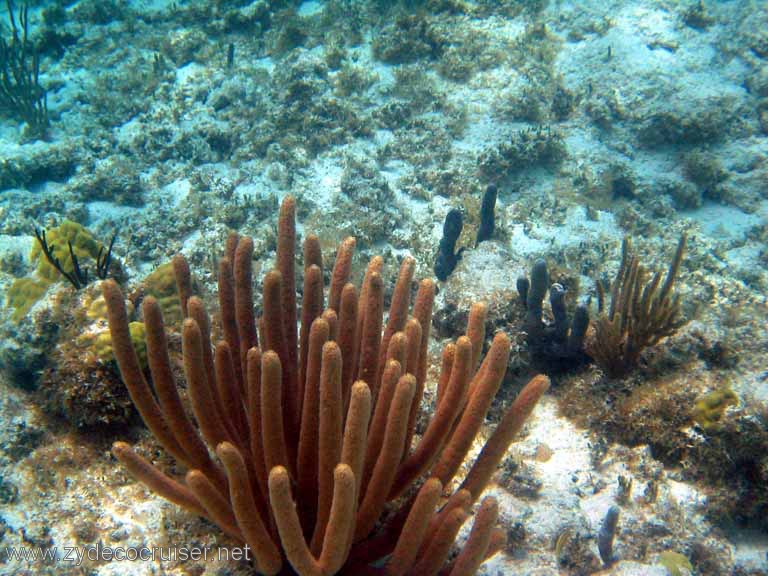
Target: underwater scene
(384, 287)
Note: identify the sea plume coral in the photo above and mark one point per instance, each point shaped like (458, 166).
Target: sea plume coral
(642, 312)
(21, 94)
(312, 427)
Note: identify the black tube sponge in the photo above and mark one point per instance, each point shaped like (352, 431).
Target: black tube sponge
(487, 215)
(447, 257)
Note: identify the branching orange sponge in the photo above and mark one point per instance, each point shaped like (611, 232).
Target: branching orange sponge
(312, 428)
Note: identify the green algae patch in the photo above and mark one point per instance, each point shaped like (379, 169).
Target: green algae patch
(675, 563)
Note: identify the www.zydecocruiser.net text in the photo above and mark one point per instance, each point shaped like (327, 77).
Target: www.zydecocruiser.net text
(77, 555)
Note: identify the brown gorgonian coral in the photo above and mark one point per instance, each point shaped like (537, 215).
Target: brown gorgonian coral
(642, 311)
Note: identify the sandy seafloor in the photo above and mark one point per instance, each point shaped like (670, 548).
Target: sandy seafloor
(379, 121)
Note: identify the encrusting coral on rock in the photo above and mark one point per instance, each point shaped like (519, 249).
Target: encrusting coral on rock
(313, 427)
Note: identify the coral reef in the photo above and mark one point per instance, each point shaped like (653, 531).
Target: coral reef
(102, 344)
(277, 435)
(409, 38)
(116, 180)
(732, 459)
(678, 125)
(728, 456)
(677, 564)
(176, 122)
(77, 276)
(30, 168)
(84, 391)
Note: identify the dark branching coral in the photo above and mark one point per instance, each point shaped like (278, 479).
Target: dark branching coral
(104, 259)
(641, 313)
(447, 257)
(21, 94)
(557, 346)
(78, 276)
(313, 426)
